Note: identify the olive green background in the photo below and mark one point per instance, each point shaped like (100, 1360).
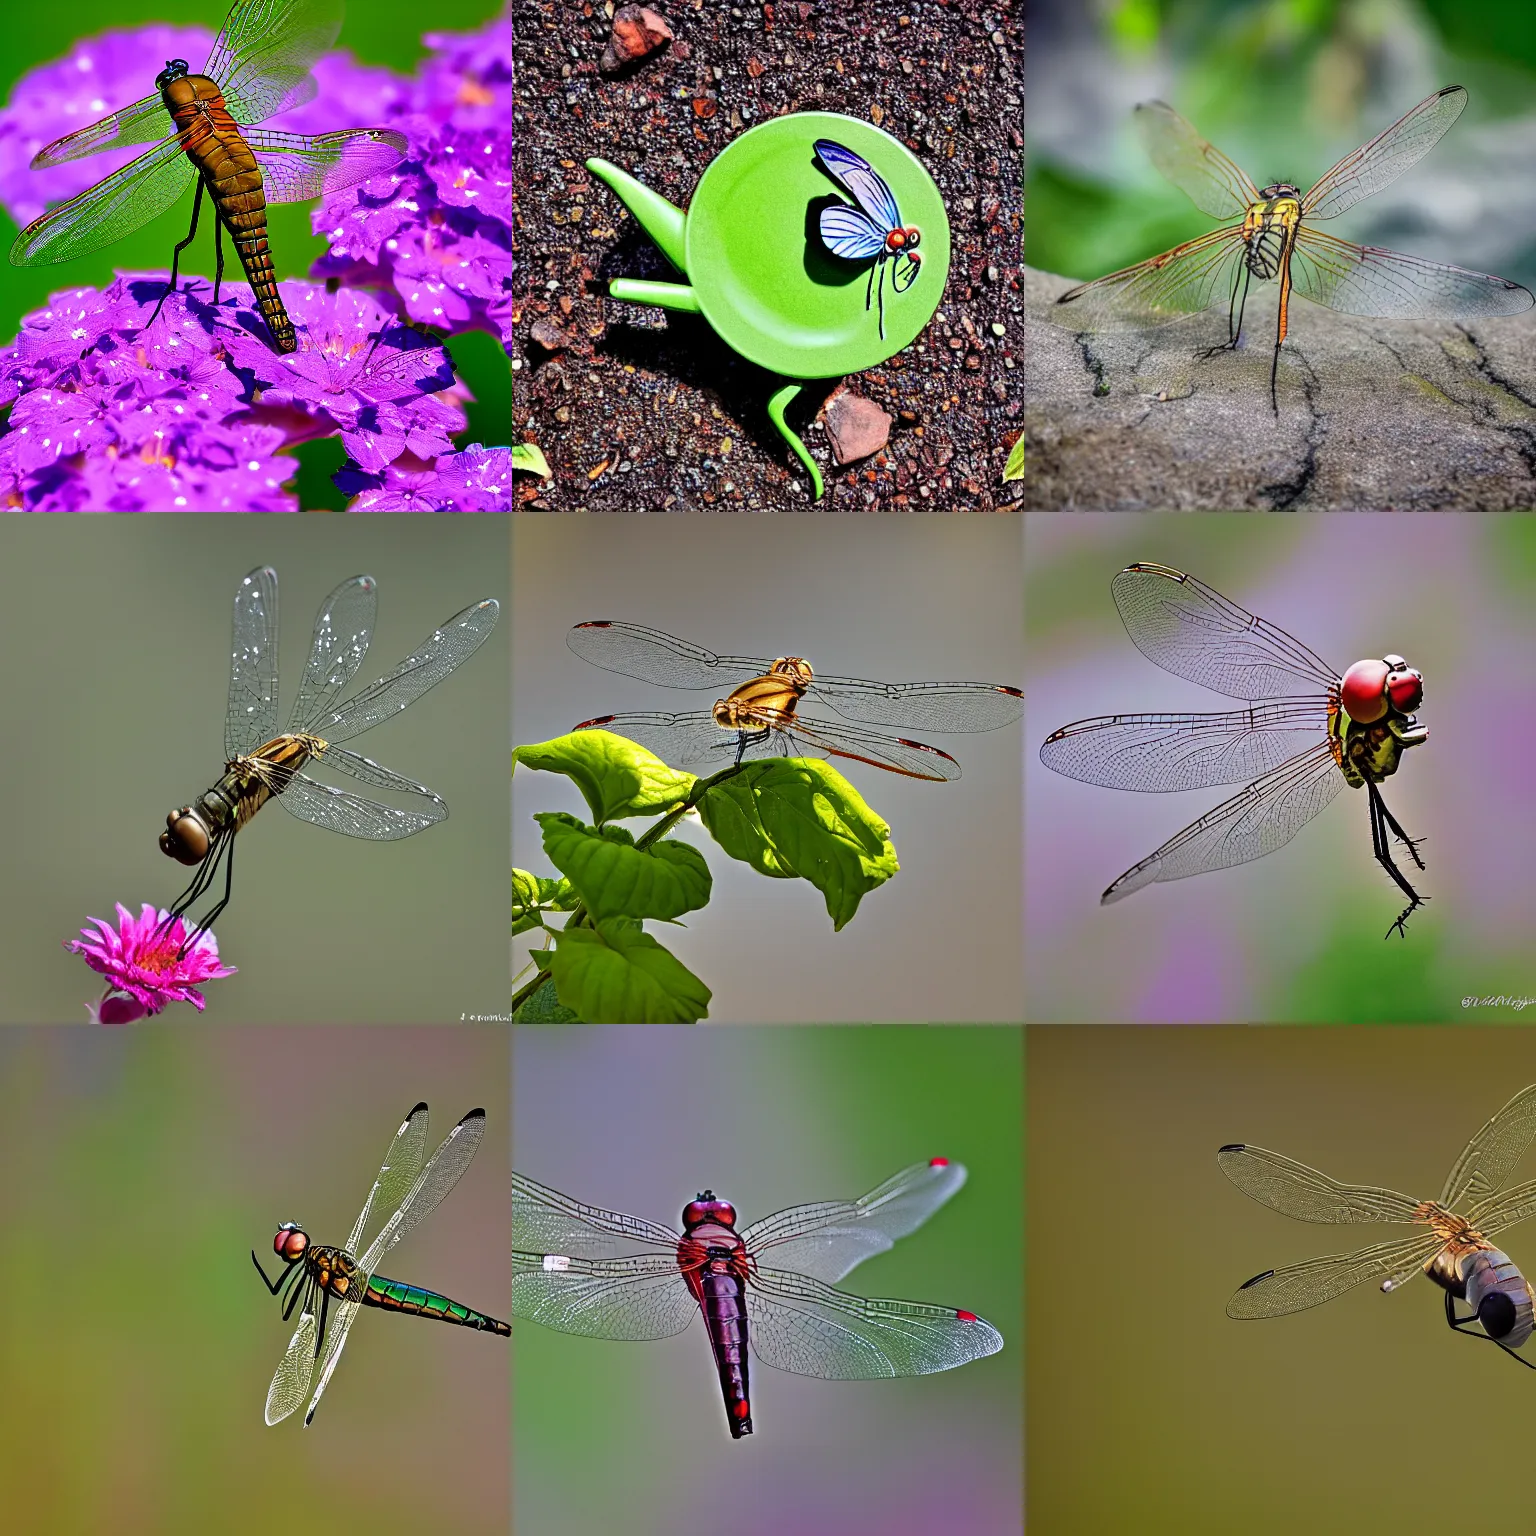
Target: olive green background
(116, 639)
(137, 1341)
(1151, 1411)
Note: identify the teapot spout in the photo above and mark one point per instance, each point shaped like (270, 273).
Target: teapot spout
(657, 217)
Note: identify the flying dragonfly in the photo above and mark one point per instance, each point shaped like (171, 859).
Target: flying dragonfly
(1273, 238)
(258, 68)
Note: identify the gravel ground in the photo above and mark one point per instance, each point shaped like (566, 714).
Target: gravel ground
(641, 410)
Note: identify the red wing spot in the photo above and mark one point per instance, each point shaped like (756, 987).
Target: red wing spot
(741, 1410)
(587, 725)
(967, 1317)
(938, 1162)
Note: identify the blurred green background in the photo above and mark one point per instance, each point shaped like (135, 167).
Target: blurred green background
(116, 635)
(1296, 935)
(1285, 88)
(631, 1437)
(1150, 1410)
(380, 32)
(137, 1341)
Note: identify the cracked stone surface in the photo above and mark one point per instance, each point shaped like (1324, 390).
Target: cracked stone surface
(1374, 414)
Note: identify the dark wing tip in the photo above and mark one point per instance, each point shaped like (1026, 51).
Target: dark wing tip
(1232, 1146)
(1247, 1283)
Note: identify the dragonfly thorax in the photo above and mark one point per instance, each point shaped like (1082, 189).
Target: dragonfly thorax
(1269, 226)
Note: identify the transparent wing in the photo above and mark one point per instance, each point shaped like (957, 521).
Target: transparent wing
(1296, 1190)
(353, 815)
(798, 1324)
(848, 233)
(142, 123)
(1255, 821)
(859, 179)
(695, 738)
(1194, 632)
(443, 650)
(294, 168)
(1367, 170)
(343, 629)
(828, 1239)
(1487, 1158)
(340, 1325)
(1500, 1211)
(1366, 280)
(1197, 168)
(397, 1173)
(294, 1370)
(1299, 1286)
(641, 1297)
(132, 195)
(251, 716)
(262, 57)
(545, 1220)
(1171, 752)
(1180, 282)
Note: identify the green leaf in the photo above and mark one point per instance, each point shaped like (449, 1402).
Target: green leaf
(530, 458)
(616, 879)
(799, 816)
(533, 896)
(1014, 468)
(617, 973)
(615, 777)
(545, 1007)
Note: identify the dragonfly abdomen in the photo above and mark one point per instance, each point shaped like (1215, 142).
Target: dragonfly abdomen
(723, 1300)
(396, 1296)
(1499, 1294)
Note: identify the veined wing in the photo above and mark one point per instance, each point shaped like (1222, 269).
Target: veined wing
(343, 630)
(353, 815)
(262, 57)
(1196, 167)
(633, 650)
(1296, 1190)
(1255, 821)
(251, 716)
(1367, 170)
(545, 1220)
(1155, 752)
(1295, 1287)
(1366, 280)
(859, 179)
(800, 1325)
(1180, 282)
(1505, 1209)
(641, 1297)
(294, 168)
(342, 1318)
(1487, 1158)
(142, 123)
(453, 642)
(397, 1173)
(850, 233)
(1194, 632)
(294, 1371)
(828, 1239)
(132, 195)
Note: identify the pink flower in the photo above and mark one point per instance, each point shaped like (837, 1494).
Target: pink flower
(143, 966)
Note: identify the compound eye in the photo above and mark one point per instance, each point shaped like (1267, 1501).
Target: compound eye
(185, 838)
(914, 237)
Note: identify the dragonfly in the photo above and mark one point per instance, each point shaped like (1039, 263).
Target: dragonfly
(759, 716)
(264, 764)
(1456, 1252)
(1273, 238)
(404, 1194)
(1351, 729)
(872, 230)
(259, 67)
(578, 1269)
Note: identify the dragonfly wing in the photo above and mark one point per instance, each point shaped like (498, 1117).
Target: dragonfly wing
(1366, 280)
(294, 1370)
(444, 649)
(397, 1173)
(641, 1297)
(848, 233)
(1505, 1209)
(1486, 1159)
(1296, 1190)
(1212, 182)
(294, 168)
(1173, 752)
(692, 737)
(1180, 282)
(262, 57)
(142, 123)
(1255, 821)
(927, 706)
(827, 1240)
(800, 1325)
(341, 1326)
(1191, 630)
(1296, 1287)
(827, 738)
(859, 179)
(251, 715)
(339, 810)
(632, 650)
(1368, 169)
(113, 208)
(343, 629)
(546, 1220)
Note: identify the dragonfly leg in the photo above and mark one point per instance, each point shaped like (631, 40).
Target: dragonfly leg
(881, 291)
(208, 917)
(747, 739)
(194, 891)
(218, 257)
(197, 204)
(1382, 824)
(325, 1305)
(1461, 1324)
(1235, 307)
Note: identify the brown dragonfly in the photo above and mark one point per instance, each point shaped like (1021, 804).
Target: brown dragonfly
(259, 67)
(1456, 1253)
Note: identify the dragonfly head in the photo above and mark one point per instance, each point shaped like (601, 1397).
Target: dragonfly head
(175, 69)
(1372, 689)
(707, 1208)
(291, 1242)
(186, 837)
(903, 239)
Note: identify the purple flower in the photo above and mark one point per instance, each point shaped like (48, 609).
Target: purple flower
(477, 480)
(143, 966)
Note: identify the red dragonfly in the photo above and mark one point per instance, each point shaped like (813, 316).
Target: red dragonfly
(1352, 729)
(259, 67)
(582, 1270)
